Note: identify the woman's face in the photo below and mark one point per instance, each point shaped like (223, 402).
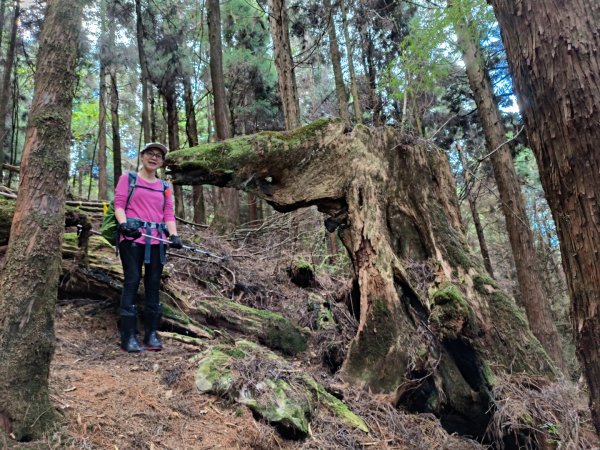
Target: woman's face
(152, 159)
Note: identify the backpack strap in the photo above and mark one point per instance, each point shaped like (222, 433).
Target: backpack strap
(132, 184)
(165, 185)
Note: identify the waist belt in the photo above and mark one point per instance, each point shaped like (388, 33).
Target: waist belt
(149, 226)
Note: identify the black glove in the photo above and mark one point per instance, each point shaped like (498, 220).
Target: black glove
(129, 231)
(175, 241)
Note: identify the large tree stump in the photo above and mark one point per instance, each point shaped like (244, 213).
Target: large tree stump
(433, 329)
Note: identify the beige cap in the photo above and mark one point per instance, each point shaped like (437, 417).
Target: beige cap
(157, 145)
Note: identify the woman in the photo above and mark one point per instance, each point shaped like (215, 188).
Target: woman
(143, 204)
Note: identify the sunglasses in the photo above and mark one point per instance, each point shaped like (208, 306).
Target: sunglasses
(151, 155)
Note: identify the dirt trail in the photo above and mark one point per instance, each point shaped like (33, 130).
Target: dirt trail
(112, 399)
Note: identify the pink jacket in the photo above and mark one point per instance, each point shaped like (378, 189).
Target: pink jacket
(145, 204)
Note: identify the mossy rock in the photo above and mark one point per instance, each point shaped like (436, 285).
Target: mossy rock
(281, 407)
(284, 398)
(320, 308)
(213, 373)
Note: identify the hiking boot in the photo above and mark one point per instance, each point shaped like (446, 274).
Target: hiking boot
(129, 341)
(151, 322)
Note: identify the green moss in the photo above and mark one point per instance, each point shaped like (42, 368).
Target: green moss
(455, 248)
(300, 134)
(281, 408)
(325, 319)
(335, 406)
(523, 352)
(235, 353)
(70, 240)
(452, 315)
(487, 374)
(481, 281)
(375, 356)
(213, 373)
(304, 265)
(505, 307)
(278, 332)
(448, 293)
(226, 157)
(285, 337)
(176, 315)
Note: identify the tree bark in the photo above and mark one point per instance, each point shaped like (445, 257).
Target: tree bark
(553, 56)
(28, 284)
(2, 12)
(102, 166)
(5, 88)
(227, 205)
(350, 56)
(432, 327)
(143, 71)
(216, 70)
(191, 130)
(519, 231)
(173, 136)
(336, 58)
(485, 254)
(114, 101)
(371, 71)
(278, 20)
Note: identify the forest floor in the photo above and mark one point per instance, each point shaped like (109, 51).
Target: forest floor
(110, 399)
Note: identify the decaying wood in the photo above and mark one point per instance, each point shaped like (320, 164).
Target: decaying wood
(433, 338)
(198, 319)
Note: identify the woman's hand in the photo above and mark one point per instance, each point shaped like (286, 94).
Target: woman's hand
(175, 241)
(129, 231)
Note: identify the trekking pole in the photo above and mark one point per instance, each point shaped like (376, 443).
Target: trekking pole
(189, 248)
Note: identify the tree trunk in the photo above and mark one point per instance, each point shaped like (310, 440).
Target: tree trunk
(102, 166)
(216, 70)
(432, 327)
(5, 87)
(252, 209)
(14, 137)
(559, 96)
(371, 71)
(485, 254)
(2, 12)
(191, 130)
(278, 19)
(114, 101)
(227, 204)
(173, 136)
(28, 284)
(144, 72)
(336, 57)
(519, 231)
(350, 56)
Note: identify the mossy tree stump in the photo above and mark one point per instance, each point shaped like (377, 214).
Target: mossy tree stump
(431, 332)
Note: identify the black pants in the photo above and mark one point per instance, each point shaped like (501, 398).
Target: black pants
(132, 258)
